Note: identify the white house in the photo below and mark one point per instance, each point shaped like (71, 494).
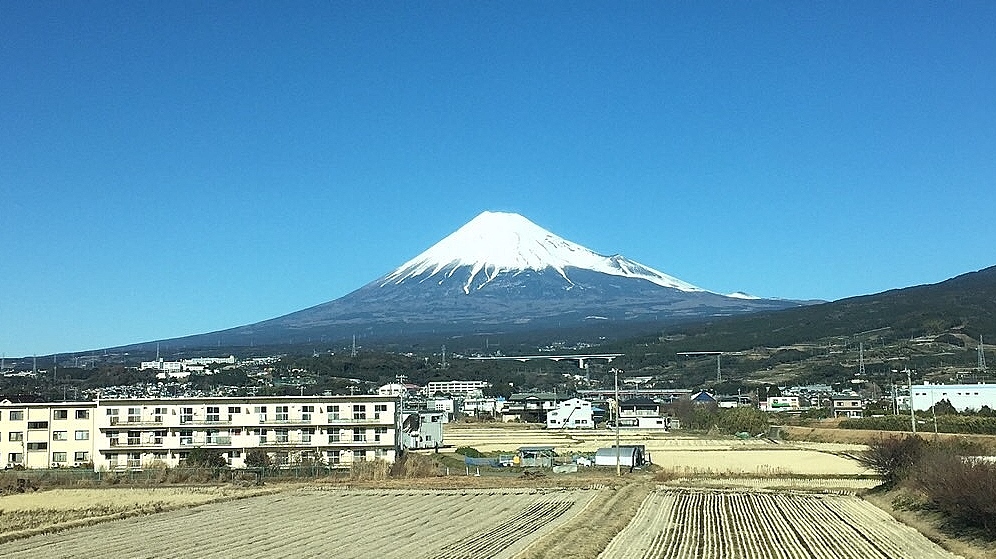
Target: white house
(570, 414)
(780, 403)
(643, 413)
(422, 429)
(847, 406)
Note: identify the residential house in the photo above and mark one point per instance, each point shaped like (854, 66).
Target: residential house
(571, 414)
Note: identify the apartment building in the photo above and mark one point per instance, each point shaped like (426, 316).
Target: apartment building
(124, 434)
(470, 388)
(45, 435)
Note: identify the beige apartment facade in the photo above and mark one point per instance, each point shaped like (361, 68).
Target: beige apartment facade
(132, 434)
(46, 435)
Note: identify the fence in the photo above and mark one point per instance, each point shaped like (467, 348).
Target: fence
(68, 477)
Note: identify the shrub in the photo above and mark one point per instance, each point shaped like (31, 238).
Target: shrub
(743, 419)
(370, 470)
(469, 452)
(257, 458)
(205, 458)
(962, 488)
(893, 458)
(412, 465)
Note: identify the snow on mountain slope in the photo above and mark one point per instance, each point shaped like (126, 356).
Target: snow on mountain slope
(495, 243)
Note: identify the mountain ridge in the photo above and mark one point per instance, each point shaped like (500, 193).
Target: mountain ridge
(499, 272)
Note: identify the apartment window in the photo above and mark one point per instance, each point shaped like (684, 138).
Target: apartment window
(306, 412)
(158, 437)
(134, 438)
(235, 454)
(334, 457)
(306, 435)
(262, 435)
(38, 425)
(360, 411)
(380, 453)
(15, 436)
(37, 446)
(379, 433)
(333, 412)
(186, 415)
(16, 415)
(233, 411)
(335, 435)
(260, 411)
(58, 457)
(157, 414)
(187, 437)
(82, 456)
(283, 413)
(60, 435)
(82, 435)
(15, 457)
(359, 455)
(281, 435)
(214, 413)
(134, 415)
(60, 414)
(82, 414)
(379, 409)
(359, 436)
(113, 437)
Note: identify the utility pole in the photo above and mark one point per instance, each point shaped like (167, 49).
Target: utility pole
(982, 357)
(618, 450)
(909, 383)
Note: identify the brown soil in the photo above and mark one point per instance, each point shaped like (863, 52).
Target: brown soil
(587, 533)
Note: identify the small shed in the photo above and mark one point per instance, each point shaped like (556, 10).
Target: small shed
(629, 456)
(535, 456)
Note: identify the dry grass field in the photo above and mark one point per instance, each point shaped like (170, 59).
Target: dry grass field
(705, 497)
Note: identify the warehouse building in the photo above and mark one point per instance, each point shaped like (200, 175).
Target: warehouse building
(962, 396)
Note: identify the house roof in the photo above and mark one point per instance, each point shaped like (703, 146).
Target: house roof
(543, 396)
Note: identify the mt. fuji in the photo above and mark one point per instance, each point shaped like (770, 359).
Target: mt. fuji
(498, 273)
(493, 244)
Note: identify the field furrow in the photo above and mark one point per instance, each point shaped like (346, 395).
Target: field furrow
(386, 524)
(747, 525)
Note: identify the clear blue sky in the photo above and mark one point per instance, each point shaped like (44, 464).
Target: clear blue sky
(171, 168)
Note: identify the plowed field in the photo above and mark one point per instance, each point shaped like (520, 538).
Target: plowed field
(335, 523)
(729, 525)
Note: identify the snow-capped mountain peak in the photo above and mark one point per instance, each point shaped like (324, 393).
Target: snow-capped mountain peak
(495, 243)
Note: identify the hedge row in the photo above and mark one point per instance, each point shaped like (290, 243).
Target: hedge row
(974, 425)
